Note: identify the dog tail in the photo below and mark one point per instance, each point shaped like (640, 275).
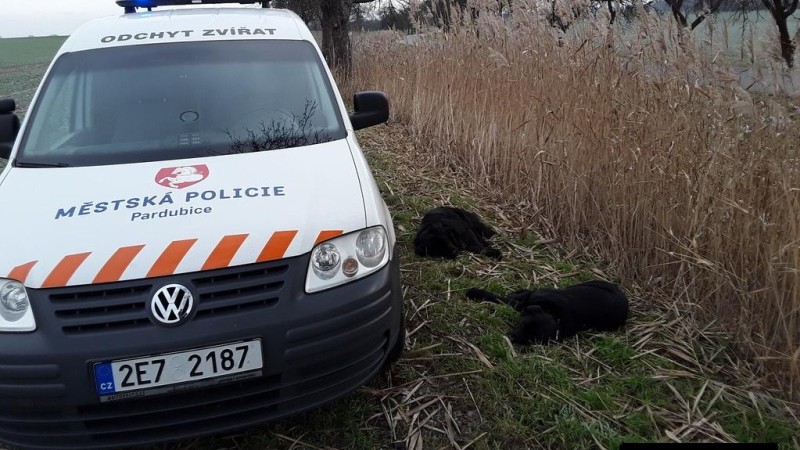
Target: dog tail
(484, 296)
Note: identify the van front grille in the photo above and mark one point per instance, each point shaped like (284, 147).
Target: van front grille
(126, 304)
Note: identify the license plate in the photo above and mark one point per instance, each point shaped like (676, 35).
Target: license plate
(159, 374)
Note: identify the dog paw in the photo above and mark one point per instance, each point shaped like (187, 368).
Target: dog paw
(493, 253)
(478, 294)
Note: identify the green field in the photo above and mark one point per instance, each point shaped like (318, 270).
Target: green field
(23, 61)
(22, 51)
(461, 384)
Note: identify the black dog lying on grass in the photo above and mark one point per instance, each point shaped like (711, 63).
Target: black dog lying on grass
(557, 314)
(446, 231)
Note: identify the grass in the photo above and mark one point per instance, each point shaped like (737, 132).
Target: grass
(659, 376)
(462, 385)
(23, 61)
(655, 162)
(25, 51)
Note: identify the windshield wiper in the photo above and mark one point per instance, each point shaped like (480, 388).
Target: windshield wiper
(39, 165)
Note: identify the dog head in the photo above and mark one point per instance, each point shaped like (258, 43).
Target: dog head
(435, 240)
(536, 326)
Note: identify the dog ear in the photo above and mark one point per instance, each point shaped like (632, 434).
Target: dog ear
(533, 310)
(451, 243)
(550, 301)
(434, 240)
(535, 326)
(517, 300)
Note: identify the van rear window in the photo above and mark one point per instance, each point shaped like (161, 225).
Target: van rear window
(181, 100)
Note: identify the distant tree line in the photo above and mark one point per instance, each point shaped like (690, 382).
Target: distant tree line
(779, 10)
(335, 17)
(561, 14)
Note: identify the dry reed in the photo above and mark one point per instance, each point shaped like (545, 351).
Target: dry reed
(642, 154)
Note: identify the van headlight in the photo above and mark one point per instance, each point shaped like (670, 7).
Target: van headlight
(347, 258)
(15, 308)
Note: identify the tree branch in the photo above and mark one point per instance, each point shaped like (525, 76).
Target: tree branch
(770, 7)
(698, 21)
(676, 6)
(714, 7)
(612, 11)
(791, 9)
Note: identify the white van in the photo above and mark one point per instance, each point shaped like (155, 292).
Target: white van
(194, 242)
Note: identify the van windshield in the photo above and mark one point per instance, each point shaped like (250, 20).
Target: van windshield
(180, 100)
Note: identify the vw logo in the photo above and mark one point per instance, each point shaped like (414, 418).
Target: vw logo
(172, 304)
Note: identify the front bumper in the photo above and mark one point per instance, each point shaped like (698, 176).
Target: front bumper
(316, 348)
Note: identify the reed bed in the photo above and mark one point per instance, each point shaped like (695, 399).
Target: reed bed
(643, 154)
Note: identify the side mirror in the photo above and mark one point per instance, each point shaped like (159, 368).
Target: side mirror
(9, 127)
(371, 108)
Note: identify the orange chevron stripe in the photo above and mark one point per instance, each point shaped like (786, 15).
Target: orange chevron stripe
(20, 273)
(114, 268)
(328, 234)
(277, 245)
(64, 270)
(224, 252)
(172, 256)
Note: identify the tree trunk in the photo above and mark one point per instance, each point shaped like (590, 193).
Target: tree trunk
(612, 11)
(675, 6)
(335, 34)
(780, 11)
(787, 45)
(712, 9)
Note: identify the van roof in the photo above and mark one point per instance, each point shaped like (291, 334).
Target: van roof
(187, 25)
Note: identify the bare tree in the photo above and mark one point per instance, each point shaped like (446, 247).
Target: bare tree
(396, 18)
(308, 10)
(704, 8)
(336, 35)
(780, 10)
(445, 11)
(564, 13)
(612, 12)
(335, 19)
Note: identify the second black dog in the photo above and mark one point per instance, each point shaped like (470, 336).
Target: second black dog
(557, 314)
(445, 231)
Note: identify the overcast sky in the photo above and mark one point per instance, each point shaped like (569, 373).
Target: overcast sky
(45, 17)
